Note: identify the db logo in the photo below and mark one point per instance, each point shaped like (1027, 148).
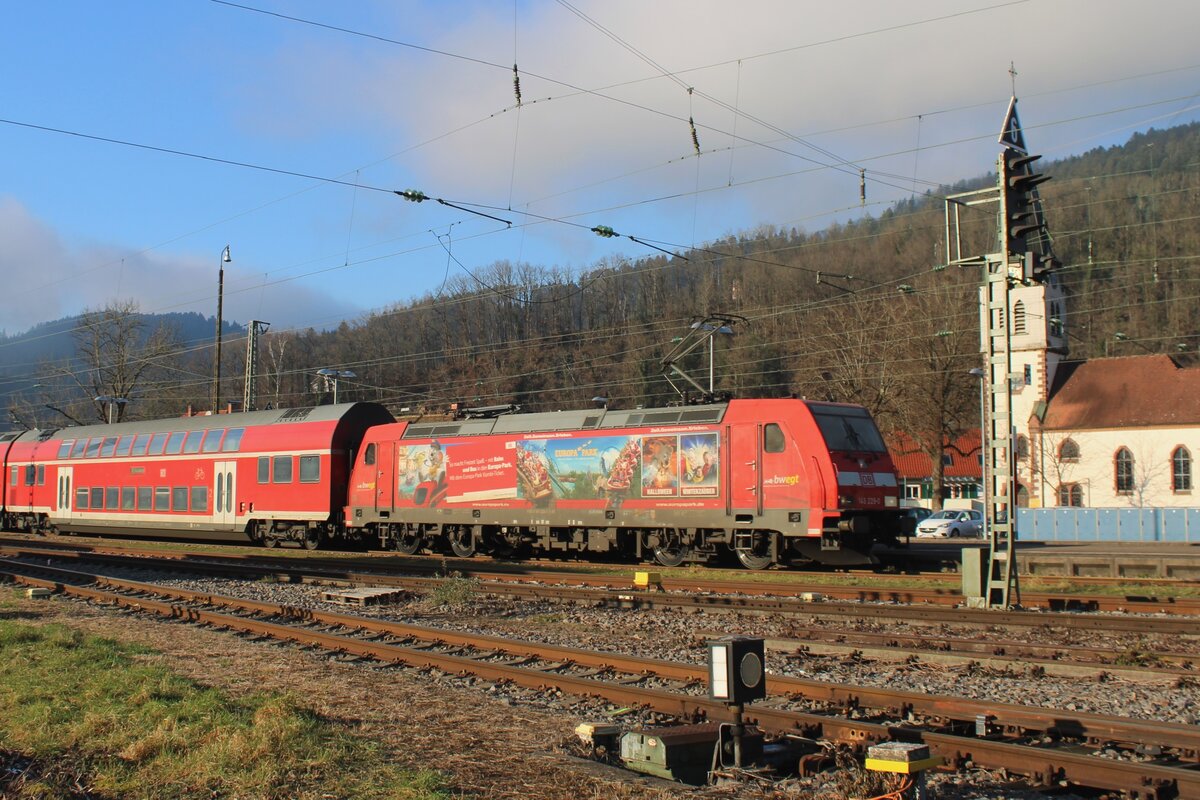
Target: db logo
(867, 478)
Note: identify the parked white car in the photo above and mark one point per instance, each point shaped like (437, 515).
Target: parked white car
(950, 523)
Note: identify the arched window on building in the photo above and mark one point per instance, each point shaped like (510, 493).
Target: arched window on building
(1019, 317)
(1022, 446)
(1068, 451)
(1022, 497)
(1181, 470)
(1070, 494)
(1123, 471)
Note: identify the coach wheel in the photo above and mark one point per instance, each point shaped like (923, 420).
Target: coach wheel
(462, 541)
(670, 551)
(407, 539)
(269, 541)
(311, 540)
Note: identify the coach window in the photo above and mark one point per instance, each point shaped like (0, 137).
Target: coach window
(81, 499)
(175, 443)
(141, 443)
(30, 474)
(233, 440)
(124, 446)
(15, 476)
(200, 498)
(97, 497)
(212, 441)
(773, 440)
(369, 456)
(282, 469)
(162, 498)
(145, 497)
(156, 444)
(192, 443)
(179, 498)
(77, 449)
(110, 445)
(64, 449)
(264, 469)
(127, 495)
(41, 479)
(112, 498)
(93, 447)
(310, 469)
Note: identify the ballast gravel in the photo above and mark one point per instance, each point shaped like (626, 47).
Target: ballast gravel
(674, 635)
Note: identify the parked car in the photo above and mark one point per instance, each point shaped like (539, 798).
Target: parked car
(912, 517)
(950, 523)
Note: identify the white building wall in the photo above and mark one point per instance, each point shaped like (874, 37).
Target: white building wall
(1095, 471)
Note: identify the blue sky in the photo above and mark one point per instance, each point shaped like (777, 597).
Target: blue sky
(790, 99)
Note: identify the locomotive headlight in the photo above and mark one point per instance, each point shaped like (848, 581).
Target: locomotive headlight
(845, 501)
(890, 501)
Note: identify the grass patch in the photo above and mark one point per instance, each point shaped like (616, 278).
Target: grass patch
(453, 591)
(95, 708)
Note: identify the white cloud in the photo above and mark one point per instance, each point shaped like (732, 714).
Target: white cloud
(47, 278)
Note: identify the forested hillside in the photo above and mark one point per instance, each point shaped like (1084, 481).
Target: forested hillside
(861, 311)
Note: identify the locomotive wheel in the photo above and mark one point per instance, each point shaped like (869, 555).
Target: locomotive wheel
(752, 560)
(670, 550)
(758, 554)
(409, 541)
(462, 543)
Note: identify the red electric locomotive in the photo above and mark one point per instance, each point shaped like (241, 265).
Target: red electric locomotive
(770, 480)
(267, 475)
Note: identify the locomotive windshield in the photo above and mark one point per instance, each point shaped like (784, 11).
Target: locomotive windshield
(848, 428)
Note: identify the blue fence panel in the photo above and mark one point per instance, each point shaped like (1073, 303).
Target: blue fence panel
(1175, 525)
(1109, 524)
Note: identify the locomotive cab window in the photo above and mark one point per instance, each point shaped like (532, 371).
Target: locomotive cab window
(773, 438)
(369, 455)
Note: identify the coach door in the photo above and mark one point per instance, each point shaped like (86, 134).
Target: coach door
(224, 487)
(64, 497)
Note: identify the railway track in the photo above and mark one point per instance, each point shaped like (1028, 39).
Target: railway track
(612, 592)
(358, 569)
(992, 735)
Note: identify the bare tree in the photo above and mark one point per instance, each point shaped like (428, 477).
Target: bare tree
(115, 360)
